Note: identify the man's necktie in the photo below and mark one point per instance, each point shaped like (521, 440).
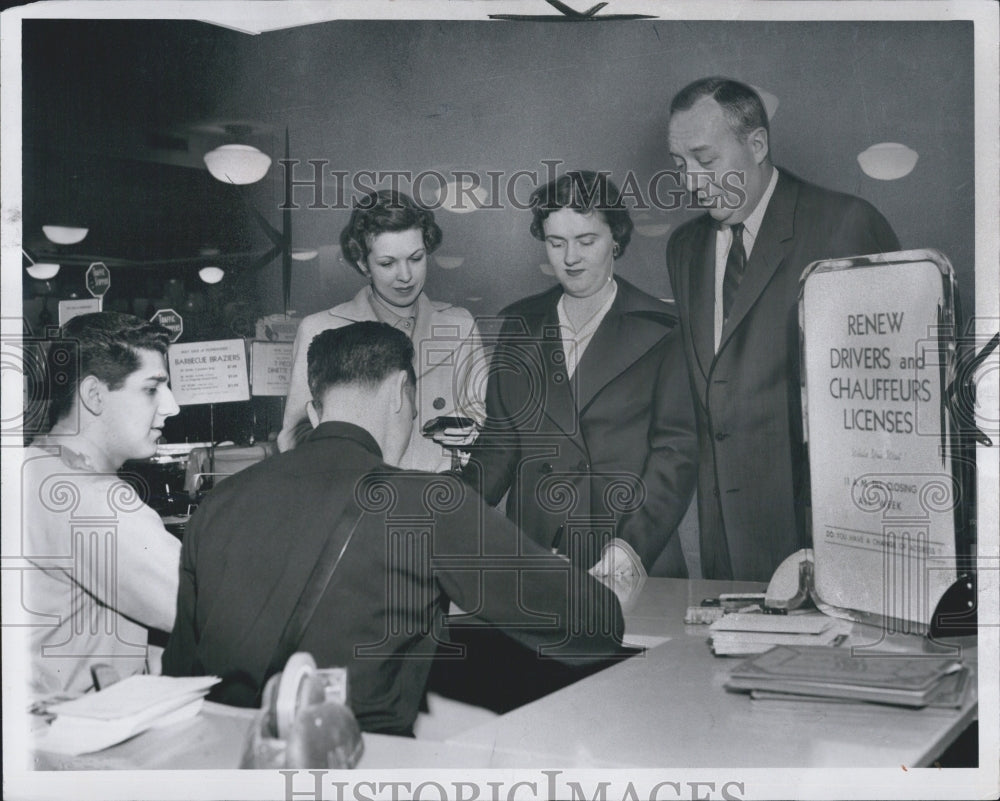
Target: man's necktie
(736, 264)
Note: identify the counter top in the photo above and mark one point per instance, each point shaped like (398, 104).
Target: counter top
(666, 707)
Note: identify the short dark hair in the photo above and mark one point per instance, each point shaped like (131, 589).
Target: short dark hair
(584, 191)
(740, 103)
(102, 344)
(363, 353)
(385, 211)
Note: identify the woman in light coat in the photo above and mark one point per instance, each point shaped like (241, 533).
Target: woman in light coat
(389, 239)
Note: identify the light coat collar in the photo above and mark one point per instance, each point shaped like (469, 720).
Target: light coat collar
(359, 309)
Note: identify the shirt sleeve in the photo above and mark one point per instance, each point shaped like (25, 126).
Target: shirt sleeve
(148, 560)
(472, 368)
(129, 560)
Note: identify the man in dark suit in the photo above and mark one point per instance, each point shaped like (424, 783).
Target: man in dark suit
(412, 542)
(735, 275)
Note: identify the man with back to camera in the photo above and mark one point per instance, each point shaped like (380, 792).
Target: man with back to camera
(101, 566)
(735, 276)
(408, 542)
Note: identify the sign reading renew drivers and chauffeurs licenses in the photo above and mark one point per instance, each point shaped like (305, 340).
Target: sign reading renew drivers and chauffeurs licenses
(878, 340)
(270, 367)
(209, 372)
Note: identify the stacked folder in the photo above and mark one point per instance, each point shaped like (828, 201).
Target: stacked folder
(746, 633)
(98, 720)
(846, 674)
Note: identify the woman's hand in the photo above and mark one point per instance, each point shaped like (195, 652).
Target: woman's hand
(621, 570)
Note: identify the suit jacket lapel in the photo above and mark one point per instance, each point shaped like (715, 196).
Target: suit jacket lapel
(619, 341)
(777, 228)
(701, 315)
(604, 357)
(559, 405)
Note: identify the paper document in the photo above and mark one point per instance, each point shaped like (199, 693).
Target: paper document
(102, 719)
(644, 640)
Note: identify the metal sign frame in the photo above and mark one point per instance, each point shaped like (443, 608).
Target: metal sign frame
(878, 352)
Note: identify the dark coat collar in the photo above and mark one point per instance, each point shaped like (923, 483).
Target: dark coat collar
(630, 301)
(633, 325)
(336, 429)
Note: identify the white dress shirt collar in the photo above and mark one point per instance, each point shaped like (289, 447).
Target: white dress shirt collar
(575, 341)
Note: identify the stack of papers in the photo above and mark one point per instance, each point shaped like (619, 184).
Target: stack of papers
(856, 674)
(102, 719)
(743, 634)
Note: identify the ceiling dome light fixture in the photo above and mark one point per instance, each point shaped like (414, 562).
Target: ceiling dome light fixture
(64, 234)
(43, 271)
(304, 254)
(461, 198)
(237, 164)
(40, 271)
(211, 275)
(449, 262)
(888, 161)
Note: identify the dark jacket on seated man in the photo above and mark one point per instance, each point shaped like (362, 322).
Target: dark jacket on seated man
(421, 540)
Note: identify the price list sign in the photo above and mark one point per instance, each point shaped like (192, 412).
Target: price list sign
(209, 372)
(271, 367)
(878, 346)
(68, 309)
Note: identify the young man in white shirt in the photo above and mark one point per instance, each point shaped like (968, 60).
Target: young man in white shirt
(99, 568)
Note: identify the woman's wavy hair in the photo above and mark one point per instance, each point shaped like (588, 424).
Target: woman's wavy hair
(381, 212)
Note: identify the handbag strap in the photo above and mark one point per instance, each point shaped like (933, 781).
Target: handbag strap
(312, 591)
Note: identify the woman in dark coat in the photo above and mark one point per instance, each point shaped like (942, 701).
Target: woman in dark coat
(590, 425)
